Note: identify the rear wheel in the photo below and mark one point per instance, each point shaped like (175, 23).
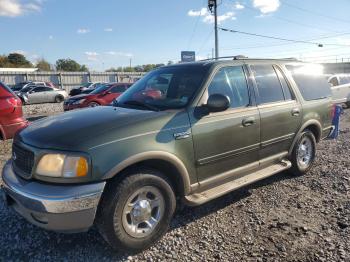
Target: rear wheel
(94, 104)
(347, 104)
(304, 153)
(136, 212)
(59, 99)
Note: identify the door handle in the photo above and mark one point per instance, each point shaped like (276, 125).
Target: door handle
(295, 112)
(248, 121)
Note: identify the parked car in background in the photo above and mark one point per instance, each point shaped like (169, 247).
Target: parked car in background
(19, 86)
(340, 86)
(216, 127)
(11, 115)
(41, 94)
(103, 95)
(87, 87)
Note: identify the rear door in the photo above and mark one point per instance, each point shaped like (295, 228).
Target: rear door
(226, 141)
(279, 110)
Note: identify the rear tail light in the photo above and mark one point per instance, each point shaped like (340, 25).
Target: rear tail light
(12, 101)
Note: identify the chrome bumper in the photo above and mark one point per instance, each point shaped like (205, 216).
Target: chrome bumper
(64, 208)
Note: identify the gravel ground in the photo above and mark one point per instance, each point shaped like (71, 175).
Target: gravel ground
(37, 110)
(283, 218)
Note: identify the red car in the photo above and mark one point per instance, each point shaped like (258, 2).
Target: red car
(101, 96)
(11, 115)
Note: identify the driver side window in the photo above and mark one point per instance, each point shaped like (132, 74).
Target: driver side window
(232, 82)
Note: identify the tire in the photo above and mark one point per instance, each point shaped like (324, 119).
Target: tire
(94, 104)
(126, 198)
(59, 99)
(347, 104)
(304, 153)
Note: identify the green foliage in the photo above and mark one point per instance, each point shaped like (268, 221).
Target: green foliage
(14, 60)
(18, 60)
(43, 65)
(69, 65)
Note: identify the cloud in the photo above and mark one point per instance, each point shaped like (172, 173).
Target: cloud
(204, 11)
(114, 53)
(51, 37)
(209, 18)
(92, 56)
(108, 30)
(13, 8)
(267, 6)
(239, 6)
(83, 31)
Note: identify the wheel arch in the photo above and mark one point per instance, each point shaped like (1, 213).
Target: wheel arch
(165, 162)
(314, 126)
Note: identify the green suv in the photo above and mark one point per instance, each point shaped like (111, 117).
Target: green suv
(183, 134)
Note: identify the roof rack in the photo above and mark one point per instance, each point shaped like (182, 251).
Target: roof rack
(242, 57)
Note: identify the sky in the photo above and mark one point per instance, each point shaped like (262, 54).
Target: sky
(111, 33)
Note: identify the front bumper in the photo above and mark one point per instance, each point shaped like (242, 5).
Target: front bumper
(62, 208)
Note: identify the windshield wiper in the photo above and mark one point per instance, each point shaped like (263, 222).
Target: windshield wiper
(141, 104)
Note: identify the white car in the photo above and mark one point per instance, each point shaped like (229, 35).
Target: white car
(340, 89)
(42, 94)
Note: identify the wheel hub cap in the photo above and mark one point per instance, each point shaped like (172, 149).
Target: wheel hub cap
(143, 211)
(305, 152)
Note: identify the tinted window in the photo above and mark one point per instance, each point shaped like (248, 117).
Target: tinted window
(285, 86)
(48, 89)
(118, 89)
(101, 89)
(39, 89)
(269, 86)
(231, 81)
(165, 88)
(311, 81)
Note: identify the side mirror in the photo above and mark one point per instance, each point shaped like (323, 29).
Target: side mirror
(218, 103)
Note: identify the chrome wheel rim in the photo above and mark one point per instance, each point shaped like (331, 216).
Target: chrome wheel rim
(305, 152)
(143, 211)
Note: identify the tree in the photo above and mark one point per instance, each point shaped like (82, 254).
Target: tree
(84, 68)
(69, 65)
(4, 62)
(18, 60)
(43, 65)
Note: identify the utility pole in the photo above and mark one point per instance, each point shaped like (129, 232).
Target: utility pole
(213, 7)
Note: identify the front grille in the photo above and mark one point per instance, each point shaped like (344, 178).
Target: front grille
(23, 160)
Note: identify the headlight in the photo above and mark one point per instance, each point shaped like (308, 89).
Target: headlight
(58, 165)
(78, 102)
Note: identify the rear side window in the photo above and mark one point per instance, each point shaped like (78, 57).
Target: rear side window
(311, 81)
(118, 89)
(268, 84)
(285, 86)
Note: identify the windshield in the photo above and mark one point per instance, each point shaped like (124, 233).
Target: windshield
(101, 89)
(27, 89)
(86, 85)
(165, 88)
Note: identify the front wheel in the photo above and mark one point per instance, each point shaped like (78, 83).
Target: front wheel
(136, 212)
(94, 104)
(304, 153)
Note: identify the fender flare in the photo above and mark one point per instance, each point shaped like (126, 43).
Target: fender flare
(154, 155)
(302, 128)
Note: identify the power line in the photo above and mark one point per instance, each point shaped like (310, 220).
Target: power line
(270, 37)
(315, 13)
(194, 29)
(280, 38)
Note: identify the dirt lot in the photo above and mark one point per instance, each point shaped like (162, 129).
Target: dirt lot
(283, 218)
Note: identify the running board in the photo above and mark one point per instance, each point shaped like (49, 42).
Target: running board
(212, 193)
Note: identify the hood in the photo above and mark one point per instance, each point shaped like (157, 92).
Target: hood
(82, 129)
